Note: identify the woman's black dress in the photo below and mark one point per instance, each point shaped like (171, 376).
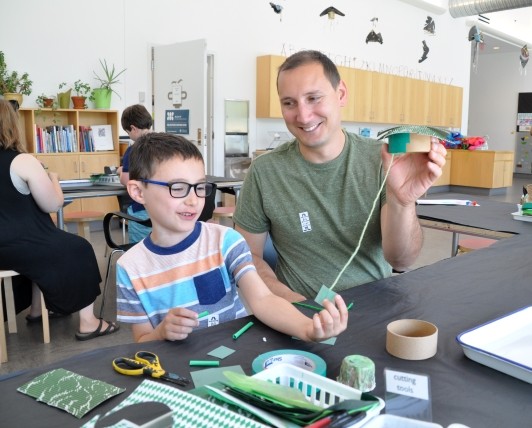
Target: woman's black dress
(62, 264)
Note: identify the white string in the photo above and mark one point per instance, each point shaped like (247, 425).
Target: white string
(365, 226)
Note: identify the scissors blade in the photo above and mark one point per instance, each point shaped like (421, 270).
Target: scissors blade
(175, 378)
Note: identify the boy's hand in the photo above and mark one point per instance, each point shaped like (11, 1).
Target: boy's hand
(178, 324)
(329, 322)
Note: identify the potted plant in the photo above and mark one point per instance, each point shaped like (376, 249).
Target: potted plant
(82, 90)
(13, 85)
(63, 97)
(46, 101)
(109, 78)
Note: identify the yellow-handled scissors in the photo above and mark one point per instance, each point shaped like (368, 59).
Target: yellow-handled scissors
(147, 363)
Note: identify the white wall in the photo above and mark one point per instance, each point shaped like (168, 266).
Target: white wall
(494, 91)
(60, 40)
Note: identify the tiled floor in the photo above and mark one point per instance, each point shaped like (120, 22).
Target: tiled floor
(26, 349)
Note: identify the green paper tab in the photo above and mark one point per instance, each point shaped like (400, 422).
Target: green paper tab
(204, 363)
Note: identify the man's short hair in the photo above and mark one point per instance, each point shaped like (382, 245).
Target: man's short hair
(307, 57)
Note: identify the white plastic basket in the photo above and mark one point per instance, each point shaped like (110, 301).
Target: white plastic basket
(319, 390)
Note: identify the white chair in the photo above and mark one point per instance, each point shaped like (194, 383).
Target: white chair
(5, 281)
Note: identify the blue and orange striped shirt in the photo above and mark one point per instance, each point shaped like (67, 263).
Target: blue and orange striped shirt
(200, 273)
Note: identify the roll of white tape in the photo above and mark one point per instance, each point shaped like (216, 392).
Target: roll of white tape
(301, 359)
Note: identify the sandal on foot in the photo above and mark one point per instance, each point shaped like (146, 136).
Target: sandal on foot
(51, 315)
(111, 328)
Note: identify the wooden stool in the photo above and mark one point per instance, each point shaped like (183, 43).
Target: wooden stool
(223, 212)
(5, 280)
(83, 219)
(473, 243)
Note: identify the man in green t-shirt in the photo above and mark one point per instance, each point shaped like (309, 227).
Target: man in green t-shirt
(314, 195)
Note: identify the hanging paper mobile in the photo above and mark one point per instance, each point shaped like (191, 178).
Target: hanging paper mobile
(373, 36)
(523, 57)
(277, 8)
(425, 51)
(430, 26)
(331, 12)
(477, 38)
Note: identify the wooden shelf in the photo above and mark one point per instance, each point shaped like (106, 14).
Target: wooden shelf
(373, 97)
(74, 165)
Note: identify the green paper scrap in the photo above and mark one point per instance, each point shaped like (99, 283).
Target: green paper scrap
(213, 375)
(330, 341)
(325, 293)
(74, 393)
(221, 352)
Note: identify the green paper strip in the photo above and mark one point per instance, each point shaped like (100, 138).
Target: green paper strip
(242, 330)
(204, 363)
(305, 305)
(203, 314)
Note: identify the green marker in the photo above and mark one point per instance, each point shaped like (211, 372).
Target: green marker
(204, 363)
(203, 314)
(242, 330)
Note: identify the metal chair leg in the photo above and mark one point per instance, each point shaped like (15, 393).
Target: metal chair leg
(116, 250)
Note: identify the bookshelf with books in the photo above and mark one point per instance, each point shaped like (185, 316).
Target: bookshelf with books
(75, 144)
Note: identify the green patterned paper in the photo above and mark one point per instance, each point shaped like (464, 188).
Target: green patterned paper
(188, 410)
(432, 131)
(76, 394)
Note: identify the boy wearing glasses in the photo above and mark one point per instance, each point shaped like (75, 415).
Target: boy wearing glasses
(185, 267)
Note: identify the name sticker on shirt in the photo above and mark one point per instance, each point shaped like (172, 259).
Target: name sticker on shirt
(213, 320)
(305, 222)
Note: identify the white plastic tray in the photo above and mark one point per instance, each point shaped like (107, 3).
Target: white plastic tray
(319, 390)
(521, 217)
(504, 344)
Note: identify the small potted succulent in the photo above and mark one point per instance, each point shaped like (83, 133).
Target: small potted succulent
(46, 101)
(82, 91)
(13, 85)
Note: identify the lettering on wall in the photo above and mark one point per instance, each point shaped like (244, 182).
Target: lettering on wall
(380, 67)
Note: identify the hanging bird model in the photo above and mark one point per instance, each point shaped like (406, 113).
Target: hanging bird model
(373, 36)
(430, 26)
(331, 12)
(523, 57)
(477, 38)
(425, 51)
(277, 8)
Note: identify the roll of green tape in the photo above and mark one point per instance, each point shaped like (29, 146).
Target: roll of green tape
(301, 359)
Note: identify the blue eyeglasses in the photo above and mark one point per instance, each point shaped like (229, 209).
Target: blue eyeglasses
(178, 189)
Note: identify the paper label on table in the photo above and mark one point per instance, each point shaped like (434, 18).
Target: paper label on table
(411, 385)
(408, 395)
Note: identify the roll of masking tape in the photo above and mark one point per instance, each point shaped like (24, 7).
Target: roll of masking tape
(412, 339)
(301, 359)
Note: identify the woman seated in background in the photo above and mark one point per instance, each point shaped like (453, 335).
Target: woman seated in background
(61, 264)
